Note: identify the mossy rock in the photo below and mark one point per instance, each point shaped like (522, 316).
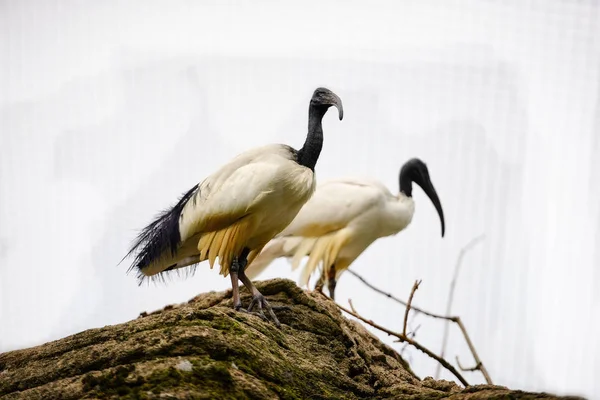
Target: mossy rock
(203, 349)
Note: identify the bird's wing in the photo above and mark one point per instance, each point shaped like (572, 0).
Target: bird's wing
(231, 193)
(333, 206)
(221, 199)
(322, 226)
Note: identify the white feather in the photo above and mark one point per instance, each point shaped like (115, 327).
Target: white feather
(349, 212)
(264, 183)
(238, 186)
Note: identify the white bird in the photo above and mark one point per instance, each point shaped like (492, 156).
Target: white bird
(341, 220)
(235, 211)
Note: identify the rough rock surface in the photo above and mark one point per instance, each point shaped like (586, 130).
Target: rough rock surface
(204, 350)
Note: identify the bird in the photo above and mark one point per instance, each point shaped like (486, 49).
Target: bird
(234, 212)
(342, 219)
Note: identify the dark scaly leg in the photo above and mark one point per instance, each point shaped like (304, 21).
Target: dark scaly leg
(233, 273)
(331, 282)
(258, 299)
(320, 283)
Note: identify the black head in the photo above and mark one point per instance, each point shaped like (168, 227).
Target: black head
(325, 98)
(415, 170)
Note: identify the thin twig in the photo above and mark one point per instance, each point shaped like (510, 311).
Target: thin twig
(478, 361)
(351, 305)
(454, 319)
(461, 255)
(408, 340)
(475, 368)
(410, 335)
(412, 293)
(392, 297)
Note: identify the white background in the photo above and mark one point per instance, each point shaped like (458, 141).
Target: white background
(110, 110)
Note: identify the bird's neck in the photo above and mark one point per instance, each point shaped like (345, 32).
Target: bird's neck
(309, 153)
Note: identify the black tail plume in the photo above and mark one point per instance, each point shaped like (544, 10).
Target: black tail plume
(160, 235)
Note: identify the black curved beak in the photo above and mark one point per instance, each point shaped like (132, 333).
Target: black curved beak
(335, 101)
(429, 190)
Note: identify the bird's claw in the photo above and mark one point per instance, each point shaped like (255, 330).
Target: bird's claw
(239, 308)
(259, 301)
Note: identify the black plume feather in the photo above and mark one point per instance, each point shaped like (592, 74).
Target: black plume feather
(160, 235)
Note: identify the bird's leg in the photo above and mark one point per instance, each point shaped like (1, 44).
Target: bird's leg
(320, 283)
(331, 282)
(257, 297)
(233, 272)
(258, 300)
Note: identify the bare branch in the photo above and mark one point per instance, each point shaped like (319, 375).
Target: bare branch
(410, 335)
(412, 293)
(392, 297)
(479, 363)
(408, 340)
(454, 319)
(461, 255)
(475, 368)
(351, 305)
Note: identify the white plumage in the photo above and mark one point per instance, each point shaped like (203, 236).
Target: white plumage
(236, 210)
(243, 204)
(341, 220)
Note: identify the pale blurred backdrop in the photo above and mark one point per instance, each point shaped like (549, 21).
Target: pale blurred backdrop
(110, 110)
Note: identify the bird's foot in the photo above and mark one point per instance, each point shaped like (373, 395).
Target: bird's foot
(259, 301)
(243, 310)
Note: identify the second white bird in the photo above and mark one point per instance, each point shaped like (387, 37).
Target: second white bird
(342, 219)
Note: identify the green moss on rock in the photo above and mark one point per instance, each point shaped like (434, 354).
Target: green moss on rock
(203, 349)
